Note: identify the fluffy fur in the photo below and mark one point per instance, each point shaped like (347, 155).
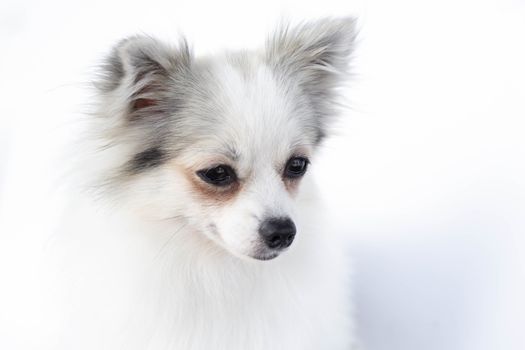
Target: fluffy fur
(164, 260)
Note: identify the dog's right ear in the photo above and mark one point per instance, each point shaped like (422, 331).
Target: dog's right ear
(143, 72)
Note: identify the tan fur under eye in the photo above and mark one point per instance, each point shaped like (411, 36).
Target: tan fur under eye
(292, 185)
(210, 194)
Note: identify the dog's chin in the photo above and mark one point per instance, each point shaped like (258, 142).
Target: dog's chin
(256, 256)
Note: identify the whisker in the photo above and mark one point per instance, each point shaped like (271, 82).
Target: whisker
(170, 239)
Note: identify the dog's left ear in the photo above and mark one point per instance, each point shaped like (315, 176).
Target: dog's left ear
(316, 55)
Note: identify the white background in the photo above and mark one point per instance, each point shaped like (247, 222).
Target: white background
(427, 173)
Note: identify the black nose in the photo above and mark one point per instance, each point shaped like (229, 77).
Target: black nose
(277, 233)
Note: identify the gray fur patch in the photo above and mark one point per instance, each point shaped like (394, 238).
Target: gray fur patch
(148, 159)
(111, 72)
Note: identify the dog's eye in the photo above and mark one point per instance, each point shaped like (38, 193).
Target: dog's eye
(221, 175)
(296, 167)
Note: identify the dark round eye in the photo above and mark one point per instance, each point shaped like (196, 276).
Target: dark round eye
(296, 167)
(221, 175)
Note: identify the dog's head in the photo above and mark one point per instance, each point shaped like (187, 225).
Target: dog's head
(221, 144)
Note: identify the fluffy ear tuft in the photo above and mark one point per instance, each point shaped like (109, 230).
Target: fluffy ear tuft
(325, 44)
(144, 68)
(316, 54)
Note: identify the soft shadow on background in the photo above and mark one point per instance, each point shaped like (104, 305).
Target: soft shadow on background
(427, 173)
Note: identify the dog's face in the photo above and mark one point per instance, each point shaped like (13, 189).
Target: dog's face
(222, 144)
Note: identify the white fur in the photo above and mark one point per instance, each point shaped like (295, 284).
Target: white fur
(140, 267)
(130, 284)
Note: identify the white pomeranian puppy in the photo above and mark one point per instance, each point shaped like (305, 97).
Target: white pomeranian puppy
(201, 228)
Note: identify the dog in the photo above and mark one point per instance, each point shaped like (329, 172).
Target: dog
(201, 227)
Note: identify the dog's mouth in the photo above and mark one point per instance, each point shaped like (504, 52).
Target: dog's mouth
(264, 253)
(263, 256)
